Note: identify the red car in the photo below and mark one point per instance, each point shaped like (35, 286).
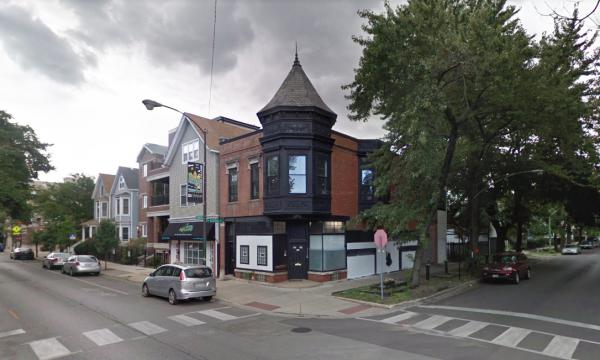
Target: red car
(507, 266)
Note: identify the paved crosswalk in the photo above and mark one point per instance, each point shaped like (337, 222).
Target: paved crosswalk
(54, 347)
(543, 343)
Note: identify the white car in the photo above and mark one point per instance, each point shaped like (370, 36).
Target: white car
(571, 249)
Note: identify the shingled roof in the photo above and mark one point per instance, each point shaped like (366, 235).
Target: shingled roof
(296, 90)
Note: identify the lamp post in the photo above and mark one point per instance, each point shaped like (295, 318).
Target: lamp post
(150, 105)
(534, 171)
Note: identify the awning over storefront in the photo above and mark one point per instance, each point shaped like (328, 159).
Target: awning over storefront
(188, 231)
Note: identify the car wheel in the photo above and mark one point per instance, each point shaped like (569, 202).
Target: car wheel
(145, 291)
(207, 298)
(43, 266)
(528, 274)
(96, 274)
(71, 272)
(63, 270)
(172, 297)
(516, 279)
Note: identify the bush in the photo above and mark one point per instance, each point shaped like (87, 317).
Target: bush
(88, 247)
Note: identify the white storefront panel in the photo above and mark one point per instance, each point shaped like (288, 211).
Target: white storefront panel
(248, 252)
(360, 265)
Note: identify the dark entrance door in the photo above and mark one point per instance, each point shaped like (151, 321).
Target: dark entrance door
(297, 233)
(229, 248)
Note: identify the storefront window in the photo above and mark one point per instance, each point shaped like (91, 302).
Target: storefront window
(327, 251)
(193, 253)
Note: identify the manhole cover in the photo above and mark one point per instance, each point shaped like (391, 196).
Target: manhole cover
(301, 330)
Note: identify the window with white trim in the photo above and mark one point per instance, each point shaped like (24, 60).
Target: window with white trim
(125, 204)
(261, 256)
(244, 254)
(183, 195)
(145, 201)
(125, 233)
(190, 151)
(118, 206)
(97, 210)
(144, 231)
(121, 183)
(104, 212)
(145, 169)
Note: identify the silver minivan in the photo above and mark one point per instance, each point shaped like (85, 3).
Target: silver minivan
(181, 282)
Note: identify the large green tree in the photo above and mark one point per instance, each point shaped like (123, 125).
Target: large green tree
(22, 157)
(106, 238)
(448, 78)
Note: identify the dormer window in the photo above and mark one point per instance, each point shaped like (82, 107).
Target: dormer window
(190, 151)
(121, 183)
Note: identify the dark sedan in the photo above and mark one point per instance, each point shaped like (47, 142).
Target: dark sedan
(507, 266)
(22, 253)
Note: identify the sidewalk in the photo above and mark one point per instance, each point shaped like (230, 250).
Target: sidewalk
(294, 298)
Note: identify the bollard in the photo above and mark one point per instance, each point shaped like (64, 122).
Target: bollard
(427, 272)
(446, 267)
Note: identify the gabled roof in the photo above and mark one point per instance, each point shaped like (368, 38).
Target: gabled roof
(152, 149)
(296, 90)
(218, 129)
(131, 177)
(105, 180)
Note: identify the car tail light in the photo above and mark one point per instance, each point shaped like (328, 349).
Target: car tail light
(77, 263)
(54, 260)
(182, 276)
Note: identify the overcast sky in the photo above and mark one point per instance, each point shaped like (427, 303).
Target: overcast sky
(77, 70)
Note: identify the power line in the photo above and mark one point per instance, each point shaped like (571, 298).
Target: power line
(212, 58)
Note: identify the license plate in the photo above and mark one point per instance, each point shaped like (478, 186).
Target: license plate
(495, 275)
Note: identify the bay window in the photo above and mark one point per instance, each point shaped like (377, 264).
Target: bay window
(297, 174)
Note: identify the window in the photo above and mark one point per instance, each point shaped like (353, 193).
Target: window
(183, 195)
(261, 255)
(193, 253)
(254, 181)
(125, 203)
(233, 184)
(327, 252)
(273, 175)
(297, 174)
(118, 206)
(278, 227)
(145, 201)
(190, 152)
(121, 183)
(322, 186)
(144, 230)
(97, 210)
(101, 190)
(367, 190)
(244, 254)
(145, 169)
(333, 227)
(104, 209)
(124, 233)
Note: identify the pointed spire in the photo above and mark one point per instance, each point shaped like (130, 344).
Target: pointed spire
(296, 61)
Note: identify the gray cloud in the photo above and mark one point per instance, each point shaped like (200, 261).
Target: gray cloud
(33, 45)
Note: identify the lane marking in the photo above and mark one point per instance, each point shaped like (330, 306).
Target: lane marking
(467, 329)
(515, 314)
(147, 327)
(102, 337)
(47, 349)
(11, 333)
(511, 337)
(394, 319)
(186, 320)
(13, 314)
(432, 322)
(217, 315)
(562, 347)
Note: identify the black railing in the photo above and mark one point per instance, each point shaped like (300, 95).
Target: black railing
(458, 251)
(157, 200)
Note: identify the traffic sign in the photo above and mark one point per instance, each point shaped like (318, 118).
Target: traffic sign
(16, 230)
(72, 237)
(215, 220)
(380, 238)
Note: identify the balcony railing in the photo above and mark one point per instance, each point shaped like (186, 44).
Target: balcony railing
(158, 200)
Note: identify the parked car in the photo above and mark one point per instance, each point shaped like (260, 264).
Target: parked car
(571, 249)
(54, 260)
(595, 241)
(507, 266)
(23, 253)
(82, 264)
(586, 244)
(181, 282)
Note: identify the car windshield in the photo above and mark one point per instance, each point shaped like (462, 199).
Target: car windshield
(201, 272)
(571, 246)
(505, 259)
(87, 259)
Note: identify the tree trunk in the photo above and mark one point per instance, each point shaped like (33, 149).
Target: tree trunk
(440, 201)
(105, 259)
(519, 242)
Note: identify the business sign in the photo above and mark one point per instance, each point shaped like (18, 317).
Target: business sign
(194, 182)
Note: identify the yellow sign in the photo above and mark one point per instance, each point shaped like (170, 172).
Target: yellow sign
(16, 230)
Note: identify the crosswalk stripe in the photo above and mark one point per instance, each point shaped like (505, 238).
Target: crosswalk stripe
(511, 337)
(11, 333)
(186, 320)
(432, 322)
(562, 347)
(467, 329)
(47, 349)
(102, 337)
(147, 327)
(217, 315)
(394, 319)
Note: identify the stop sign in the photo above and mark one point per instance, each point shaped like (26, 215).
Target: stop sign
(380, 238)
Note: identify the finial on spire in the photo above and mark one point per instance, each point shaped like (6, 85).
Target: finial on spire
(296, 61)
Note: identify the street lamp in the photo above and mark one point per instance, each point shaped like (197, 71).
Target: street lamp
(150, 105)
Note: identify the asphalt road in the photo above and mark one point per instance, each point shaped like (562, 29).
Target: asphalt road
(46, 315)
